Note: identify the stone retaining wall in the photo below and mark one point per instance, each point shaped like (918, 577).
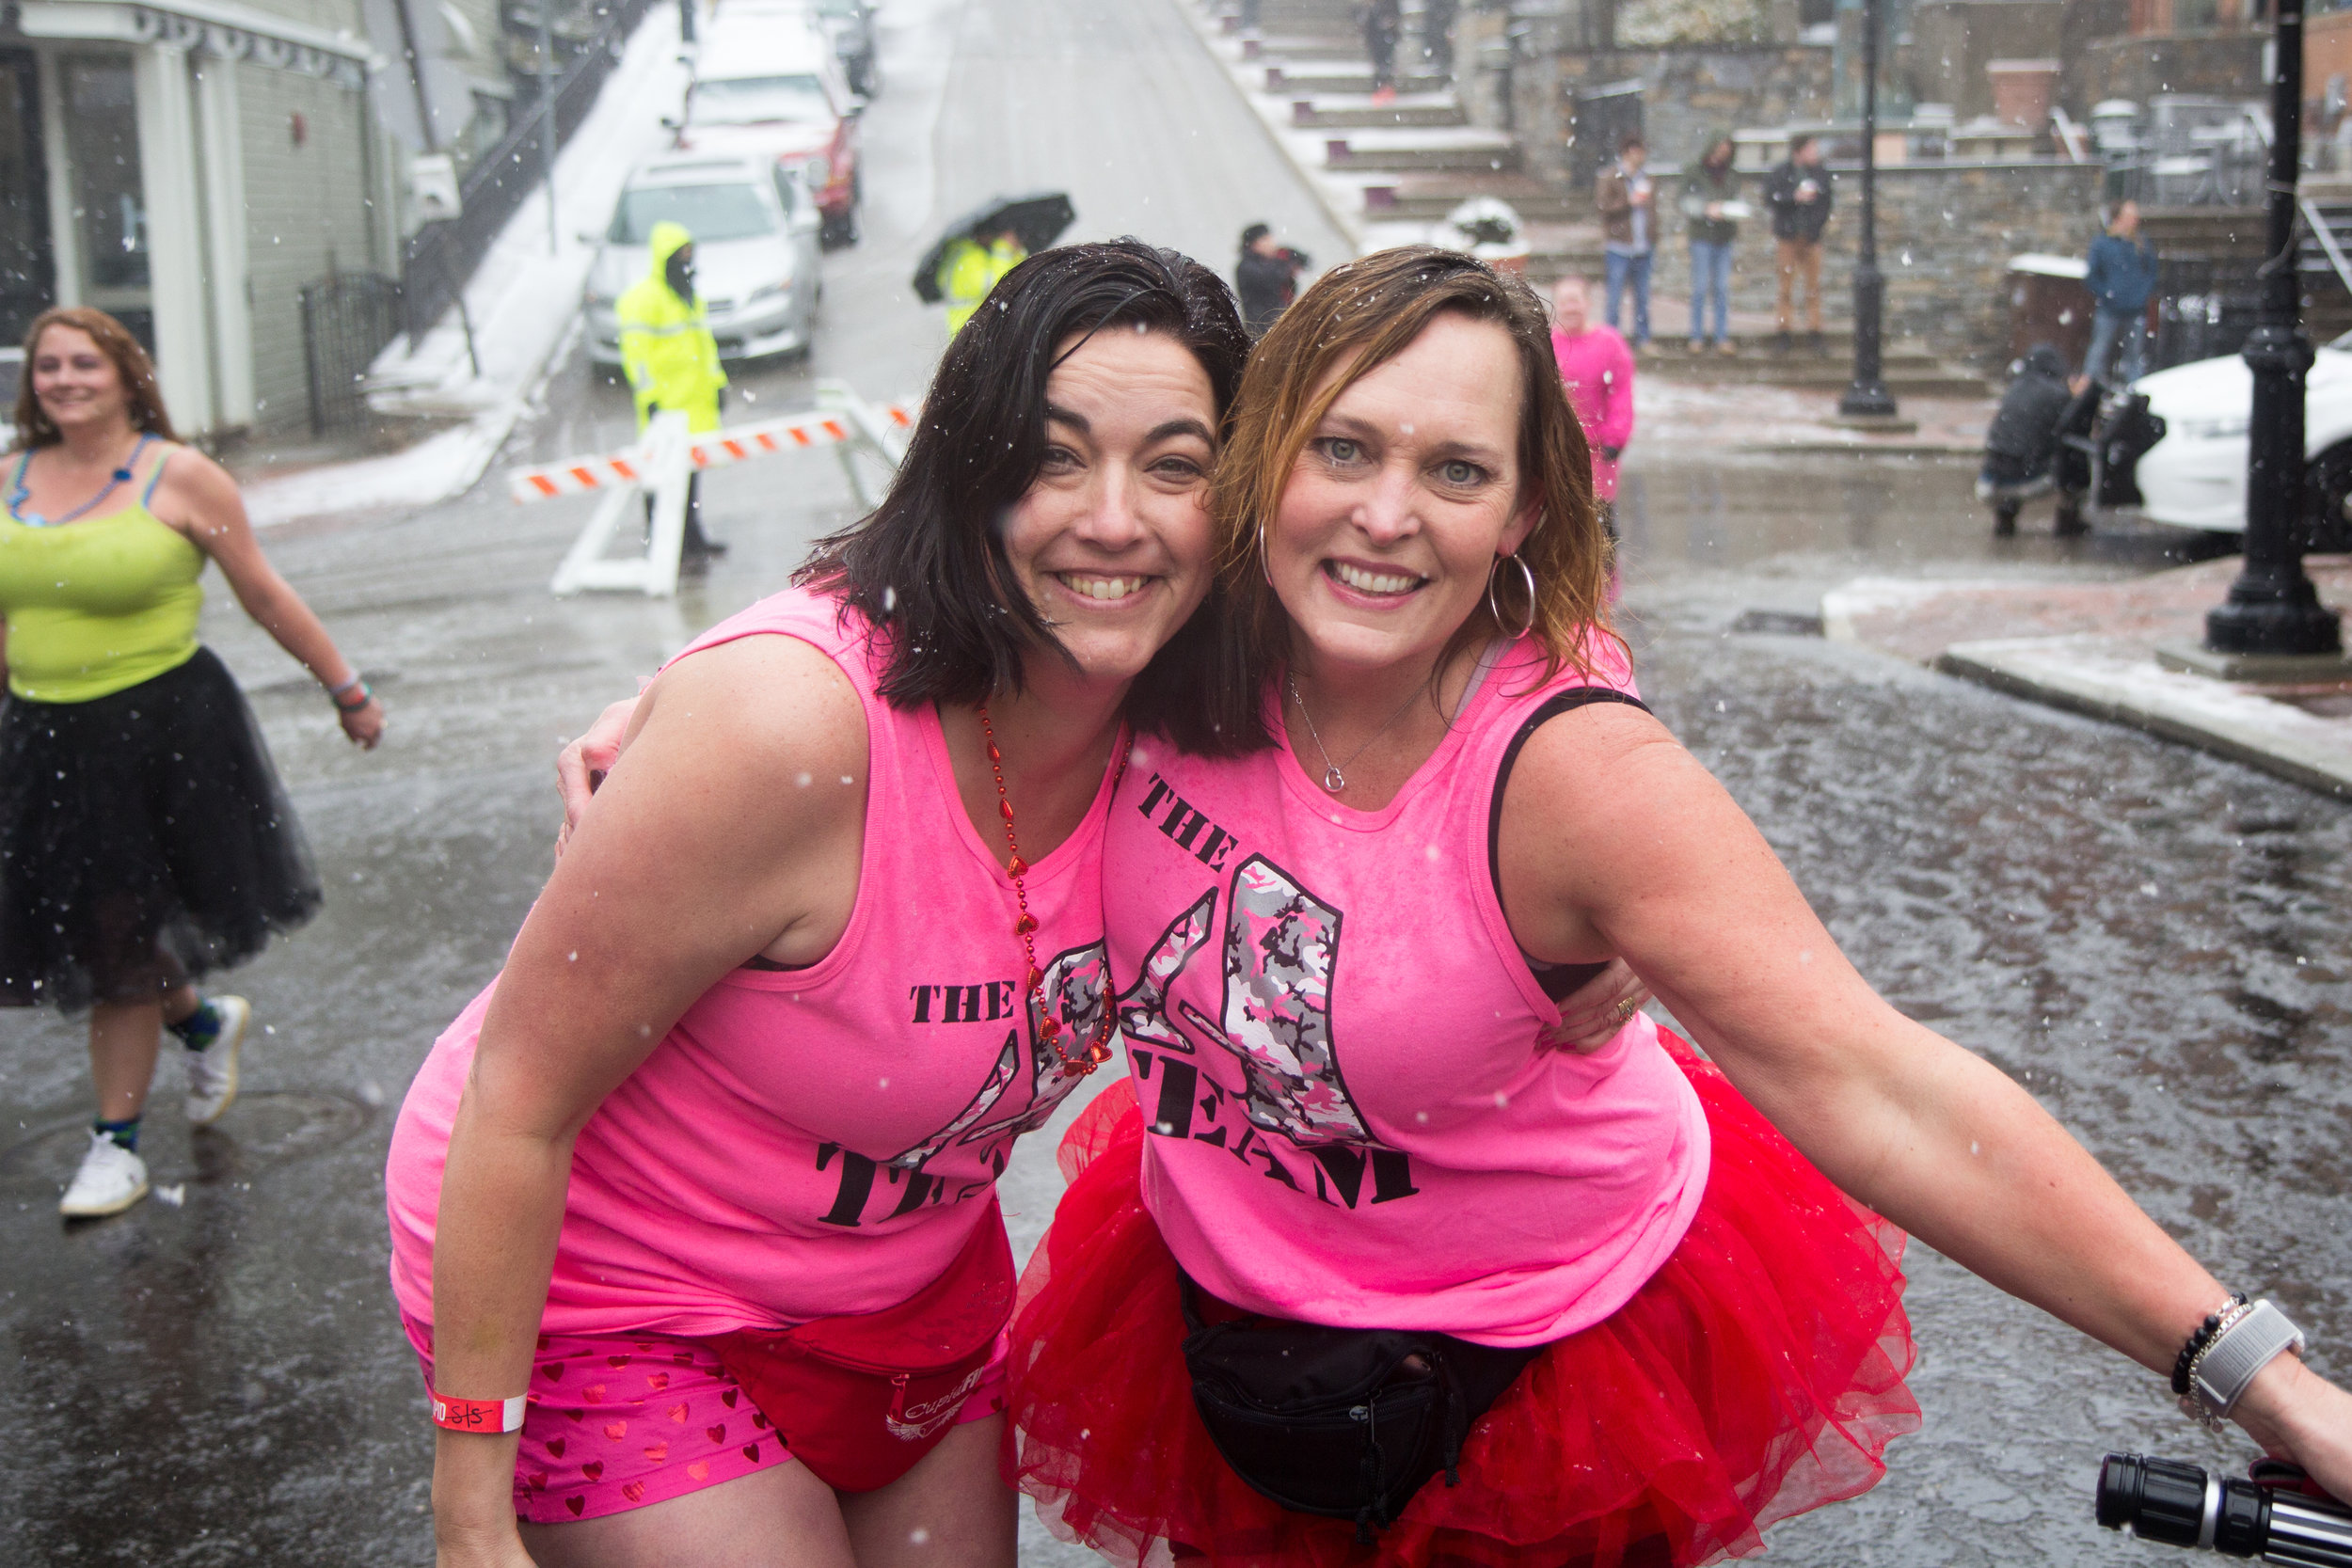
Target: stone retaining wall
(1946, 231)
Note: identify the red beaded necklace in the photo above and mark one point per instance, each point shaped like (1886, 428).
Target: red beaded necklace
(1098, 1050)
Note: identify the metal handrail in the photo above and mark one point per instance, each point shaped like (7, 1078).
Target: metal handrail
(2327, 239)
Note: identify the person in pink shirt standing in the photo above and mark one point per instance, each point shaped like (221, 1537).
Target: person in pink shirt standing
(1597, 369)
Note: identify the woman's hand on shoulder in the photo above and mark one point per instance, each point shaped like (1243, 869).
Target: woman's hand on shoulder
(582, 765)
(1592, 1015)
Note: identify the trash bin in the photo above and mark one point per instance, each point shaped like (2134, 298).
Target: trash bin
(2048, 304)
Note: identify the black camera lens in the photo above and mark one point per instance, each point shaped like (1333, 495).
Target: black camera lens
(2157, 1499)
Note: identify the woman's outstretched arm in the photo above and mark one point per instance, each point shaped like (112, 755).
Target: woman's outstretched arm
(1616, 841)
(197, 498)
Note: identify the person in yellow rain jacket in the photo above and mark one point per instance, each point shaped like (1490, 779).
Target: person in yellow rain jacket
(971, 268)
(672, 361)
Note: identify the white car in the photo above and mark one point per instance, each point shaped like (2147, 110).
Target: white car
(756, 253)
(2194, 476)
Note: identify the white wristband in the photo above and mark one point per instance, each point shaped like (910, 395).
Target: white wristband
(2227, 1367)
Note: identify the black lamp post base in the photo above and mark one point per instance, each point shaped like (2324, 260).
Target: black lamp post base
(2288, 620)
(1872, 408)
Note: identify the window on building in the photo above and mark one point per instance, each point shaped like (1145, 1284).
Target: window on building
(109, 196)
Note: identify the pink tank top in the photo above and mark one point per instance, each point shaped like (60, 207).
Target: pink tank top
(820, 1141)
(1337, 1042)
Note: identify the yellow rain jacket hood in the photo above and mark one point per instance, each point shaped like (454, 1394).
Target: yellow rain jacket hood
(969, 271)
(667, 352)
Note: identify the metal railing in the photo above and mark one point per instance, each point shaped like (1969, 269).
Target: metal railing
(347, 318)
(440, 256)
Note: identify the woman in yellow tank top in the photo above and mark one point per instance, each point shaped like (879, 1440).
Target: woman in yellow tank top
(144, 837)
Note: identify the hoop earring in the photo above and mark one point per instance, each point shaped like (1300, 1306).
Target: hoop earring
(1265, 566)
(1526, 572)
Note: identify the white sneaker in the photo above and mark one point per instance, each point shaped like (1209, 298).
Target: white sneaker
(213, 1071)
(110, 1181)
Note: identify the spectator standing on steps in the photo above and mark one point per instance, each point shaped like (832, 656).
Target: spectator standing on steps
(1384, 25)
(1710, 201)
(1799, 196)
(1436, 35)
(2122, 275)
(1265, 278)
(672, 361)
(1628, 224)
(1596, 372)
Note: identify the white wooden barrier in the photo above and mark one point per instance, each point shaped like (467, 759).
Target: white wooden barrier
(663, 464)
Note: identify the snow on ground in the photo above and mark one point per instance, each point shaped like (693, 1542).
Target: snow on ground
(525, 303)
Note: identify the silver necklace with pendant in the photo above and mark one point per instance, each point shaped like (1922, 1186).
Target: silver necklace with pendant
(1333, 779)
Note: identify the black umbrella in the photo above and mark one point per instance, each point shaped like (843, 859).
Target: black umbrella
(1037, 221)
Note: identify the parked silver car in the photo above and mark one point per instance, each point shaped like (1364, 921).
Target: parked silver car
(756, 252)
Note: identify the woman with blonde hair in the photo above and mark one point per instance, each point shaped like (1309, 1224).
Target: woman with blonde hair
(144, 837)
(1368, 1216)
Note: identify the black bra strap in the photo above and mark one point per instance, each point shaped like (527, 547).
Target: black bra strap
(1557, 981)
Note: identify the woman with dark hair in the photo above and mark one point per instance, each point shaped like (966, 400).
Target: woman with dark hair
(144, 838)
(694, 1212)
(1633, 1304)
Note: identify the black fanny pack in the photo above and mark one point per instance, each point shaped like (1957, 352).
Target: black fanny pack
(1340, 1421)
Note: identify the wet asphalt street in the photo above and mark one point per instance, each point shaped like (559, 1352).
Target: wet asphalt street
(2151, 940)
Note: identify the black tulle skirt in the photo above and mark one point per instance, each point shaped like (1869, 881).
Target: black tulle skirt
(144, 840)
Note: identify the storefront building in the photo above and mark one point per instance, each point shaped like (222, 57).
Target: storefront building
(190, 165)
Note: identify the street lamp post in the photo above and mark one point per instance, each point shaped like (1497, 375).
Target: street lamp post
(1868, 398)
(2272, 609)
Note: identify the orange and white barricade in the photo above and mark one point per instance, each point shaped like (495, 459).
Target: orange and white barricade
(861, 434)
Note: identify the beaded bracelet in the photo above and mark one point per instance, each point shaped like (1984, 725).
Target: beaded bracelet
(2203, 1337)
(366, 696)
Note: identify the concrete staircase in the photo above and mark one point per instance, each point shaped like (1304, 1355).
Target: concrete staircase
(1411, 161)
(1910, 366)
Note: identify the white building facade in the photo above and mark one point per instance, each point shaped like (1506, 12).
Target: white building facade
(190, 167)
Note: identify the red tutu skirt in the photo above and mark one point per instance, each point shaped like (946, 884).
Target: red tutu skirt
(1758, 1374)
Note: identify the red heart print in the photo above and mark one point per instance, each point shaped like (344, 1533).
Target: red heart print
(633, 1491)
(575, 1504)
(657, 1453)
(552, 1371)
(543, 1341)
(718, 1433)
(617, 1430)
(658, 1382)
(727, 1397)
(751, 1451)
(700, 1469)
(616, 1360)
(555, 1447)
(760, 1420)
(576, 1415)
(538, 1480)
(684, 1357)
(594, 1469)
(677, 1413)
(593, 1393)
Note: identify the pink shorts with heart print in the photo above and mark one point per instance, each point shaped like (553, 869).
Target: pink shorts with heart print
(620, 1420)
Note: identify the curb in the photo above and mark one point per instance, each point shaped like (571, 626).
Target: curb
(1998, 666)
